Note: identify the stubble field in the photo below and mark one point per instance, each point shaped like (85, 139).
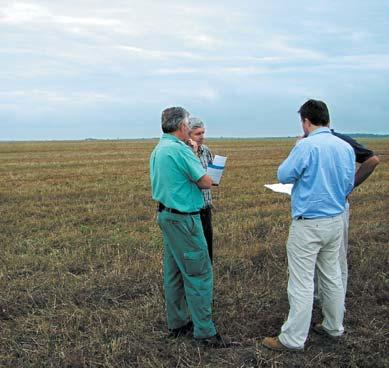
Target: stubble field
(81, 270)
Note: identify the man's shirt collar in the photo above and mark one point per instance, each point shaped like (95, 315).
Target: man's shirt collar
(171, 137)
(320, 130)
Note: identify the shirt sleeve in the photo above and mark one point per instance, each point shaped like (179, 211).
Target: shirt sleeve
(191, 164)
(361, 152)
(295, 164)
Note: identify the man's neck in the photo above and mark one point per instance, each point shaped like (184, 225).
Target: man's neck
(178, 135)
(313, 127)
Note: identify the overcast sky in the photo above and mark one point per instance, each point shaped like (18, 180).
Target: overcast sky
(106, 69)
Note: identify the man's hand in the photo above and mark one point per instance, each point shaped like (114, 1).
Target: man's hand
(193, 145)
(299, 138)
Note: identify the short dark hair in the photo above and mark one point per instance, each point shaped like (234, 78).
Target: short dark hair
(316, 112)
(172, 118)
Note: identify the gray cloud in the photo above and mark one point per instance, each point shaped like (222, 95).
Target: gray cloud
(223, 59)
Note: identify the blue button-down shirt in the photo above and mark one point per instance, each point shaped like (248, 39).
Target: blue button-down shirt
(322, 169)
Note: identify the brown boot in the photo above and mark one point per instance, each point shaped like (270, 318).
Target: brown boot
(274, 343)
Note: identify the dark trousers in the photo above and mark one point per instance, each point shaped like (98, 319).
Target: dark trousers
(206, 221)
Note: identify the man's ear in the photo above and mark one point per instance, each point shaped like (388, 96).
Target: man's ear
(308, 122)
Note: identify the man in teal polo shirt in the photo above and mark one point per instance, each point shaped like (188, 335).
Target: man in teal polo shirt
(177, 178)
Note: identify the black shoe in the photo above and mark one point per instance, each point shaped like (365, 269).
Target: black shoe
(216, 342)
(181, 331)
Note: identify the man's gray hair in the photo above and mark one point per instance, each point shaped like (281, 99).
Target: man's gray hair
(195, 123)
(172, 117)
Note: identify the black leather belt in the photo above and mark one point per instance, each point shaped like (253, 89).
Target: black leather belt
(304, 218)
(162, 207)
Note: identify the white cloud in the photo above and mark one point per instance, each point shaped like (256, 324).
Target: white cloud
(69, 53)
(19, 13)
(158, 54)
(270, 65)
(205, 93)
(202, 40)
(246, 70)
(173, 71)
(58, 97)
(9, 107)
(215, 70)
(199, 11)
(282, 46)
(23, 13)
(87, 21)
(374, 62)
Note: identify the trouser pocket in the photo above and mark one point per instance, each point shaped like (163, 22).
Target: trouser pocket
(195, 263)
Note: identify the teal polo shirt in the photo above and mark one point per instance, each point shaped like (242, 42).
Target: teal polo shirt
(174, 171)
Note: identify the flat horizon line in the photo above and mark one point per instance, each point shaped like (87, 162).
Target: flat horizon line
(91, 139)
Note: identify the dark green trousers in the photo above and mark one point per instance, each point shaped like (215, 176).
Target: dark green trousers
(188, 276)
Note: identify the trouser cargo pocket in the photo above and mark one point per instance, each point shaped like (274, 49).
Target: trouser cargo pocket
(196, 263)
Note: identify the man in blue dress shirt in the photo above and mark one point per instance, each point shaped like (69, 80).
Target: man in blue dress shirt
(322, 169)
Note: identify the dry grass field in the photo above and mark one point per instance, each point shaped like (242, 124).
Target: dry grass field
(80, 261)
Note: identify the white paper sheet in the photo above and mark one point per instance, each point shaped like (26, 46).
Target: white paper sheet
(280, 188)
(215, 170)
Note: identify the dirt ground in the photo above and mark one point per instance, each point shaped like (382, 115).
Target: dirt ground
(81, 261)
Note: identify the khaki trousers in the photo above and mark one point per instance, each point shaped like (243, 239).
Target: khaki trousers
(311, 243)
(343, 251)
